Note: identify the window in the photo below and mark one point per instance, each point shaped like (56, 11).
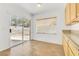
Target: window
(46, 25)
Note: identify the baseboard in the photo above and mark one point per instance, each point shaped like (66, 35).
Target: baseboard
(11, 47)
(47, 42)
(4, 49)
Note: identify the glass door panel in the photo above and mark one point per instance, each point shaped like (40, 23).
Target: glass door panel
(26, 30)
(15, 31)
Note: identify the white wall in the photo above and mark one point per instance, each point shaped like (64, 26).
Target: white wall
(6, 11)
(48, 37)
(4, 29)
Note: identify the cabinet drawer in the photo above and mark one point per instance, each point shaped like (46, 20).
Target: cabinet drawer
(66, 38)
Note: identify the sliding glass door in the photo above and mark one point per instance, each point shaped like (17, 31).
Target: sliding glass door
(19, 30)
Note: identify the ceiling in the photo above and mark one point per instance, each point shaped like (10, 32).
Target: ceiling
(45, 7)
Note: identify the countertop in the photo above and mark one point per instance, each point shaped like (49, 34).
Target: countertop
(73, 35)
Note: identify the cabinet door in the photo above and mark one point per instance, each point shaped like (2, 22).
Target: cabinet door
(67, 14)
(77, 6)
(65, 45)
(73, 11)
(74, 48)
(70, 52)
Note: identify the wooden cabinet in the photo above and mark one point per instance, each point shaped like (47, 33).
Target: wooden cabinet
(72, 13)
(67, 14)
(74, 48)
(65, 46)
(77, 6)
(70, 52)
(70, 48)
